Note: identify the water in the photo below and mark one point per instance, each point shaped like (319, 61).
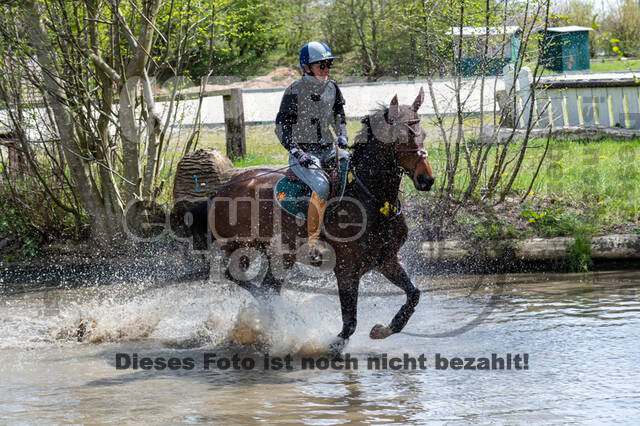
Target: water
(581, 333)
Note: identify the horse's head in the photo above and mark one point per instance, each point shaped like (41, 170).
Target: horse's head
(406, 139)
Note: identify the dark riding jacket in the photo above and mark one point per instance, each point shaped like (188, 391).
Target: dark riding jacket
(311, 115)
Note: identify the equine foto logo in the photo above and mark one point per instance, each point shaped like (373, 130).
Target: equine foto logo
(147, 221)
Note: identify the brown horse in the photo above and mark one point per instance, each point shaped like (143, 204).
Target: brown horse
(364, 229)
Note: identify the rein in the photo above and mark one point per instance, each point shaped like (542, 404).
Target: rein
(398, 206)
(398, 170)
(233, 182)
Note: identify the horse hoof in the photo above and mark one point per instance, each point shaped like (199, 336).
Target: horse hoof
(380, 331)
(336, 347)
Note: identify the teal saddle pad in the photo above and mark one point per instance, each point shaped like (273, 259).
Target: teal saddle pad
(293, 196)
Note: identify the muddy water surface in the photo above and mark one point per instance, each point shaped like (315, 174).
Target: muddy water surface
(58, 352)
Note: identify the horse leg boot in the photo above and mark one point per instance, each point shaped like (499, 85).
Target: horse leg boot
(315, 219)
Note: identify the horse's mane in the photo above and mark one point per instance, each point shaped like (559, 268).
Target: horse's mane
(362, 143)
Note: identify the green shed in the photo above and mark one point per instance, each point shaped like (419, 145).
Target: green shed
(504, 43)
(567, 48)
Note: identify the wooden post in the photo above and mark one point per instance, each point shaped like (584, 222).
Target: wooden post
(16, 162)
(509, 102)
(233, 117)
(557, 108)
(542, 109)
(524, 91)
(633, 104)
(234, 124)
(505, 103)
(588, 107)
(617, 105)
(601, 101)
(572, 107)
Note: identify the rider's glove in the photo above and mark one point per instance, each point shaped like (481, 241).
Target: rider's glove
(342, 142)
(304, 159)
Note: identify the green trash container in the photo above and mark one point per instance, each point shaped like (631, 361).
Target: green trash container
(566, 49)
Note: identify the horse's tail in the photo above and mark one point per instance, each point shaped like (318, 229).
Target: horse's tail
(199, 225)
(193, 223)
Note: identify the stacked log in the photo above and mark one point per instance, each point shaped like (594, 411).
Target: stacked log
(199, 175)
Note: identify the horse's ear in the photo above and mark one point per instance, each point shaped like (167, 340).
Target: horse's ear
(418, 101)
(394, 109)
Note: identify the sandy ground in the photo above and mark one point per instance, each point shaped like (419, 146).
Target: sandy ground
(278, 78)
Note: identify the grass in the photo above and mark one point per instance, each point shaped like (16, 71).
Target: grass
(602, 176)
(615, 65)
(493, 229)
(597, 176)
(580, 251)
(597, 65)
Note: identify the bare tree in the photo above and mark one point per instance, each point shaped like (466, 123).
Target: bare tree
(90, 64)
(483, 160)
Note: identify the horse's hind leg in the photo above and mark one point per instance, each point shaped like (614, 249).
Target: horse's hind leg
(238, 268)
(279, 266)
(272, 278)
(394, 272)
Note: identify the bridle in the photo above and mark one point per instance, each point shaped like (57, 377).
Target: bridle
(422, 153)
(398, 170)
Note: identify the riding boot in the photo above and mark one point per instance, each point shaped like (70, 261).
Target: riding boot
(315, 219)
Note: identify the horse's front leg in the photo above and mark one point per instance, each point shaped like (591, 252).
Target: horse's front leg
(348, 291)
(394, 272)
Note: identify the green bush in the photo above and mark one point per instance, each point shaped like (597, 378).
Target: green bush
(493, 230)
(556, 222)
(580, 251)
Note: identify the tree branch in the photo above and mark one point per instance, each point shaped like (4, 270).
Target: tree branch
(100, 63)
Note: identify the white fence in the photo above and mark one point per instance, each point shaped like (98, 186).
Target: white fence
(261, 105)
(613, 101)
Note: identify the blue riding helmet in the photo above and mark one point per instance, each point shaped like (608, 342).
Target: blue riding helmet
(314, 51)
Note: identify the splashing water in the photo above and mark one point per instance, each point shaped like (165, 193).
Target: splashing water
(183, 315)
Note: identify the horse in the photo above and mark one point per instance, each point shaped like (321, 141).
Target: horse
(246, 221)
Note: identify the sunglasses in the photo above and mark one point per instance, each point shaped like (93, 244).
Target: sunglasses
(324, 64)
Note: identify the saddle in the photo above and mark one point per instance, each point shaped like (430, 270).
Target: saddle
(293, 194)
(291, 176)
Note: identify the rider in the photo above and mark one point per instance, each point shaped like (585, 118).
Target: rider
(311, 112)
